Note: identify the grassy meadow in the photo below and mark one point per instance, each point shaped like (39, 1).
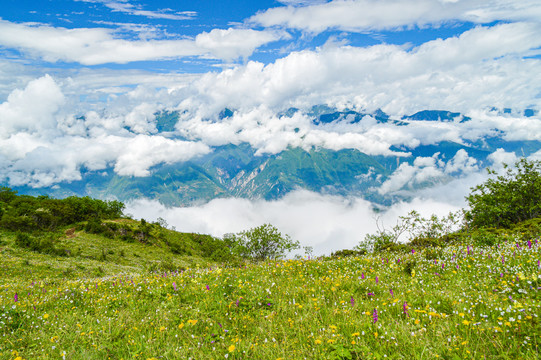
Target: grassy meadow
(461, 301)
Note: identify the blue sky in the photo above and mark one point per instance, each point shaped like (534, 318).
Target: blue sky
(90, 75)
(168, 20)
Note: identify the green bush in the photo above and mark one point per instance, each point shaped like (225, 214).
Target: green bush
(261, 243)
(507, 199)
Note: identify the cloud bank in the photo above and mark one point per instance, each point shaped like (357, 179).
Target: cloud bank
(366, 15)
(326, 223)
(94, 46)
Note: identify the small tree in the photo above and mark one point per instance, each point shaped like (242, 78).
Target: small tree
(262, 242)
(507, 199)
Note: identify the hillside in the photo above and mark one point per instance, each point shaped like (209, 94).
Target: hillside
(474, 299)
(83, 237)
(104, 287)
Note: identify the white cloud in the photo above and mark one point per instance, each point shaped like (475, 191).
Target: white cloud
(92, 46)
(471, 71)
(366, 15)
(328, 223)
(407, 179)
(232, 43)
(125, 7)
(33, 109)
(40, 146)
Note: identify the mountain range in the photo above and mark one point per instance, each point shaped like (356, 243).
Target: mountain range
(238, 171)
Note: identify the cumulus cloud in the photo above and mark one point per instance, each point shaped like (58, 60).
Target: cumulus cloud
(429, 171)
(33, 109)
(470, 71)
(232, 43)
(327, 223)
(366, 15)
(41, 146)
(92, 46)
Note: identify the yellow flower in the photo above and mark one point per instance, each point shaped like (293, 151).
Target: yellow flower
(181, 325)
(317, 342)
(417, 321)
(231, 348)
(376, 334)
(193, 322)
(162, 328)
(466, 322)
(45, 316)
(461, 314)
(356, 334)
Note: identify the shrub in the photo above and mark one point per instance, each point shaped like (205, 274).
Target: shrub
(262, 242)
(507, 199)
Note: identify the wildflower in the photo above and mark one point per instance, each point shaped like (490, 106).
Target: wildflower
(405, 308)
(175, 286)
(375, 316)
(466, 322)
(529, 244)
(317, 341)
(16, 297)
(181, 325)
(377, 279)
(352, 301)
(362, 275)
(391, 291)
(46, 316)
(412, 251)
(208, 288)
(231, 348)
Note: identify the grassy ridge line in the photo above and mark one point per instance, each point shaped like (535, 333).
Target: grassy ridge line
(456, 302)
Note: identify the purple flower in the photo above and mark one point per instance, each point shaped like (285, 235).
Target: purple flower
(468, 249)
(16, 297)
(391, 292)
(362, 275)
(503, 260)
(208, 288)
(405, 307)
(175, 286)
(352, 301)
(529, 244)
(371, 294)
(442, 266)
(377, 279)
(412, 251)
(238, 300)
(375, 316)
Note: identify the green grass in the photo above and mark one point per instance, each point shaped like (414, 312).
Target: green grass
(462, 302)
